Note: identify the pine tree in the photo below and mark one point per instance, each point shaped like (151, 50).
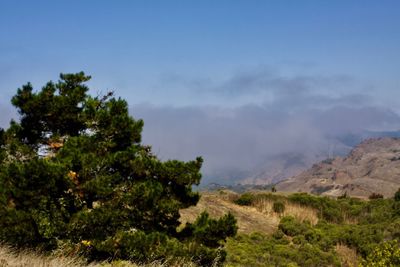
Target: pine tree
(73, 171)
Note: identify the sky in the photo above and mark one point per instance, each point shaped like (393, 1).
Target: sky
(234, 81)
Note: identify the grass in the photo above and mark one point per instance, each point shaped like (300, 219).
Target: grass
(348, 256)
(10, 257)
(257, 217)
(301, 213)
(217, 204)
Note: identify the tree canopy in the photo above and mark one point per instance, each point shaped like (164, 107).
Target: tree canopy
(73, 173)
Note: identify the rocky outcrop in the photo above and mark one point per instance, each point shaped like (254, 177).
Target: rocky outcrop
(371, 167)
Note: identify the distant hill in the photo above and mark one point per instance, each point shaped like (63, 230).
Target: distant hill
(281, 167)
(373, 166)
(276, 168)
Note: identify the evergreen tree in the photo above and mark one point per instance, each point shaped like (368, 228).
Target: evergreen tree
(73, 171)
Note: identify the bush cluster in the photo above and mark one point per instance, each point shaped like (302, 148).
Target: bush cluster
(360, 225)
(261, 250)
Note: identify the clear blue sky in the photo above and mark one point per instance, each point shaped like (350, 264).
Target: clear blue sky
(167, 52)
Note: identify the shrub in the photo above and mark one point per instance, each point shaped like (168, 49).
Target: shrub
(291, 227)
(343, 196)
(278, 234)
(397, 195)
(384, 254)
(278, 207)
(375, 196)
(262, 250)
(245, 199)
(328, 208)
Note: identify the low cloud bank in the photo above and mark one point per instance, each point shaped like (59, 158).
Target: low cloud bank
(257, 117)
(262, 115)
(237, 142)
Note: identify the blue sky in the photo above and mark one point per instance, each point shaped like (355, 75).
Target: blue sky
(145, 49)
(287, 70)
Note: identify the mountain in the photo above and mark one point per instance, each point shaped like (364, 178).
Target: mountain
(280, 167)
(373, 166)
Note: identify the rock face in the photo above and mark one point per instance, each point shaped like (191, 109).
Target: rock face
(371, 167)
(279, 168)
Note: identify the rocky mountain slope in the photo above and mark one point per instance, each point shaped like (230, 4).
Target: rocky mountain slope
(278, 168)
(371, 167)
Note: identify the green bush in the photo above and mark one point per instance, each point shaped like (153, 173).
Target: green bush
(302, 244)
(261, 250)
(291, 227)
(245, 199)
(384, 254)
(397, 195)
(328, 208)
(375, 196)
(278, 207)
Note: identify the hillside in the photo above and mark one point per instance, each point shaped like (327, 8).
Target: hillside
(371, 167)
(280, 167)
(258, 217)
(309, 230)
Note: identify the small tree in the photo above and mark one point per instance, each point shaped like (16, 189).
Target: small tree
(74, 171)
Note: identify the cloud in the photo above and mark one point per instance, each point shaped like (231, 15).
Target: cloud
(268, 86)
(7, 112)
(236, 142)
(274, 115)
(255, 118)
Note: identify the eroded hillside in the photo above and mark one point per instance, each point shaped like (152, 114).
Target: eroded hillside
(371, 167)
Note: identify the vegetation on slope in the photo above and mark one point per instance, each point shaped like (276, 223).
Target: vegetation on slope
(305, 233)
(364, 227)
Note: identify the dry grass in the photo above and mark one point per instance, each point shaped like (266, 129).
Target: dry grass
(259, 217)
(301, 213)
(348, 256)
(174, 263)
(13, 258)
(217, 204)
